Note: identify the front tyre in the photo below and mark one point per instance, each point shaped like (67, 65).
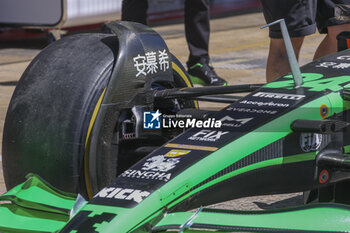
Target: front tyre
(52, 112)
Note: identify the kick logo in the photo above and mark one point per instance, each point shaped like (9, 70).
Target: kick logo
(123, 194)
(151, 120)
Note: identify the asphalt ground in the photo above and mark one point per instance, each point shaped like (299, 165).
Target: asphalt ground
(238, 50)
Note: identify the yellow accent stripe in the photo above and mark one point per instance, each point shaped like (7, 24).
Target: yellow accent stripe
(181, 73)
(191, 147)
(87, 144)
(185, 78)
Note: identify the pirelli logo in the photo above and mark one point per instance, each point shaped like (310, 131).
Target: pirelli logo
(279, 96)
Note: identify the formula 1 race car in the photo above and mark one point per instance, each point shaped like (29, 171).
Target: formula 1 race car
(105, 116)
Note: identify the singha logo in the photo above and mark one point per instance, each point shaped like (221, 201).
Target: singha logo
(160, 163)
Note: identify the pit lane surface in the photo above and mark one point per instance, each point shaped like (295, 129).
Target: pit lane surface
(238, 50)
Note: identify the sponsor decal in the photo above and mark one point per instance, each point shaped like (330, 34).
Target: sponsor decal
(310, 141)
(208, 135)
(334, 65)
(152, 175)
(263, 104)
(344, 57)
(279, 96)
(314, 82)
(151, 62)
(89, 220)
(160, 164)
(252, 110)
(155, 168)
(191, 147)
(231, 122)
(176, 153)
(151, 120)
(123, 194)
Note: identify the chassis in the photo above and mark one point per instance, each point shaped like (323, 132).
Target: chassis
(75, 119)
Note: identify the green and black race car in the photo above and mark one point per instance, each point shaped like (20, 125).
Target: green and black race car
(80, 119)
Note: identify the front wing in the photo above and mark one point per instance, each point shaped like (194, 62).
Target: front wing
(35, 206)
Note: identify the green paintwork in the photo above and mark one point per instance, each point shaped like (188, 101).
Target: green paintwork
(130, 219)
(314, 217)
(313, 81)
(263, 136)
(154, 206)
(35, 206)
(18, 219)
(271, 162)
(36, 192)
(347, 149)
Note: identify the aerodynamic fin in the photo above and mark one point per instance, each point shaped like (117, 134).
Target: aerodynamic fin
(311, 218)
(34, 206)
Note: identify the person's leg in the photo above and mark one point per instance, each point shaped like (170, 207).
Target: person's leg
(329, 43)
(300, 20)
(327, 22)
(135, 11)
(277, 61)
(197, 30)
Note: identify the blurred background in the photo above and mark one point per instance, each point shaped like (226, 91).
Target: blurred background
(50, 19)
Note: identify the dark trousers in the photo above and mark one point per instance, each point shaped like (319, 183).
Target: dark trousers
(196, 25)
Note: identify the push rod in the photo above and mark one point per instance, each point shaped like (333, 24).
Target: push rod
(190, 92)
(226, 99)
